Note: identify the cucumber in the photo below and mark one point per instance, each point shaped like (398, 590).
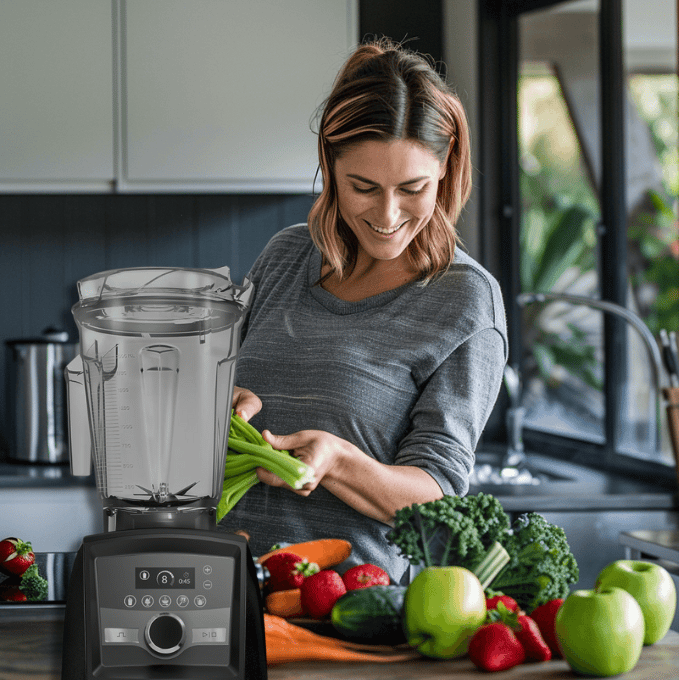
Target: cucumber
(371, 614)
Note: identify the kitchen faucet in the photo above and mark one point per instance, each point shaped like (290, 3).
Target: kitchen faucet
(618, 310)
(515, 455)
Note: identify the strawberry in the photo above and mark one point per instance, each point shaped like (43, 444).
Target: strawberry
(12, 594)
(545, 616)
(495, 647)
(509, 602)
(531, 639)
(320, 592)
(287, 571)
(365, 575)
(15, 556)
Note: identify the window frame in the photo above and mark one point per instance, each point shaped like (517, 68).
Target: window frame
(499, 194)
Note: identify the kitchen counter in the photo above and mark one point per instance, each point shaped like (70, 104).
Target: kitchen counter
(663, 545)
(35, 476)
(567, 486)
(32, 648)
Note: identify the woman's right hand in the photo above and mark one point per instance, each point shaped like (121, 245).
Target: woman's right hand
(245, 403)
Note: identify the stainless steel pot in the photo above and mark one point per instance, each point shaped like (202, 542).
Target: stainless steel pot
(37, 397)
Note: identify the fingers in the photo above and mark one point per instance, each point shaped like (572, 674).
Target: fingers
(286, 442)
(245, 403)
(271, 479)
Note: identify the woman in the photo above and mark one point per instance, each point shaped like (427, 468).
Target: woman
(374, 348)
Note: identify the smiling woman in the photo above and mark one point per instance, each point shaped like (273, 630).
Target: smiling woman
(374, 346)
(392, 95)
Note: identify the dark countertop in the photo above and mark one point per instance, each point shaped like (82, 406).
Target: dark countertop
(33, 647)
(35, 476)
(570, 487)
(574, 487)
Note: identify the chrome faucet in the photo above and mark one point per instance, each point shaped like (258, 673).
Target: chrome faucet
(633, 319)
(515, 455)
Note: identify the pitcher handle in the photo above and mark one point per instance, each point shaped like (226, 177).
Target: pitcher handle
(80, 446)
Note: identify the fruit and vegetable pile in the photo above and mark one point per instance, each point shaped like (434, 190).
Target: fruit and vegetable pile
(17, 562)
(496, 592)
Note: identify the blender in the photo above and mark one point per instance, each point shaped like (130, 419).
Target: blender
(161, 593)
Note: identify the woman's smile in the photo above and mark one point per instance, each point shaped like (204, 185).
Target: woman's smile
(386, 231)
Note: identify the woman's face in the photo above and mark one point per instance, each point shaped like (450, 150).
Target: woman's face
(386, 192)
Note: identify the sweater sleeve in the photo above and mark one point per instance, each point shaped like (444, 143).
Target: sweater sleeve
(452, 410)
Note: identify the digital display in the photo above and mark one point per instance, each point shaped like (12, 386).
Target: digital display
(165, 578)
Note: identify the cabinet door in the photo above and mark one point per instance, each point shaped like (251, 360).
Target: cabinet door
(220, 94)
(56, 93)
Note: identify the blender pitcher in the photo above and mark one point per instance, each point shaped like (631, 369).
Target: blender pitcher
(150, 391)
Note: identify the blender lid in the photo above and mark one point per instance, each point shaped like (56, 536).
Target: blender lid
(176, 282)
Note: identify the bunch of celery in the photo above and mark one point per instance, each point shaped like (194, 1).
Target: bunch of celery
(248, 451)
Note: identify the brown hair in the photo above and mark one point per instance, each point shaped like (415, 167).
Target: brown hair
(387, 92)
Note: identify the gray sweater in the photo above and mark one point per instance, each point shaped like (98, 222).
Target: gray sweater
(409, 376)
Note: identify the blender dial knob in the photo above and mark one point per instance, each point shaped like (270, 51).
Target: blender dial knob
(165, 633)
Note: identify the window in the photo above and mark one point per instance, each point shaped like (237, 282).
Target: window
(580, 148)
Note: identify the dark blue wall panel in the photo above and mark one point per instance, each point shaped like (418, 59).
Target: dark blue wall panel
(48, 242)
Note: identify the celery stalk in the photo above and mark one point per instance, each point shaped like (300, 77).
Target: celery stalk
(492, 564)
(247, 451)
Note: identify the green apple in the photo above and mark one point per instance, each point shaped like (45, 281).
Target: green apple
(651, 586)
(600, 632)
(443, 608)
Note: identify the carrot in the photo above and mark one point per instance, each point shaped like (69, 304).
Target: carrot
(286, 642)
(285, 603)
(325, 552)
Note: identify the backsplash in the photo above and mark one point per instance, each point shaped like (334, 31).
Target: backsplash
(48, 242)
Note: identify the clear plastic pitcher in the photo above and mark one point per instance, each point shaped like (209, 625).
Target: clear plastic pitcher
(150, 391)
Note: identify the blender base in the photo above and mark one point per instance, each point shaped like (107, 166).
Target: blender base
(164, 604)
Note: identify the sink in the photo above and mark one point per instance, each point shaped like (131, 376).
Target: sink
(536, 471)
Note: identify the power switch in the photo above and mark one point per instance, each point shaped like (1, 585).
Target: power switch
(165, 633)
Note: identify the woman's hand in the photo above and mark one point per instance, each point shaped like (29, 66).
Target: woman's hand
(245, 403)
(319, 450)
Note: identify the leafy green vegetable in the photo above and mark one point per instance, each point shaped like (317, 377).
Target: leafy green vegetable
(455, 530)
(247, 451)
(33, 585)
(464, 531)
(541, 565)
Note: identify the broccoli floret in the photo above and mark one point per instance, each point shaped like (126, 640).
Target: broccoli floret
(541, 565)
(33, 585)
(450, 531)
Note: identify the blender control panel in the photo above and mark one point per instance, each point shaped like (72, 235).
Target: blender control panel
(165, 603)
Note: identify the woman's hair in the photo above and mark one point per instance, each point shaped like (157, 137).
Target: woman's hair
(387, 92)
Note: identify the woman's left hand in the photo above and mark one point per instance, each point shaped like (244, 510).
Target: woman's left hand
(319, 450)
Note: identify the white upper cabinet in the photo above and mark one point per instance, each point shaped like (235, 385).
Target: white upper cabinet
(166, 95)
(223, 92)
(56, 94)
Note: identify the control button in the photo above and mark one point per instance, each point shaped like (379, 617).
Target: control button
(147, 601)
(130, 600)
(207, 569)
(121, 635)
(164, 600)
(165, 578)
(207, 585)
(205, 635)
(144, 575)
(165, 633)
(182, 601)
(200, 601)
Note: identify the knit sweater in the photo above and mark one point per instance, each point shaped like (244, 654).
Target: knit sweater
(409, 376)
